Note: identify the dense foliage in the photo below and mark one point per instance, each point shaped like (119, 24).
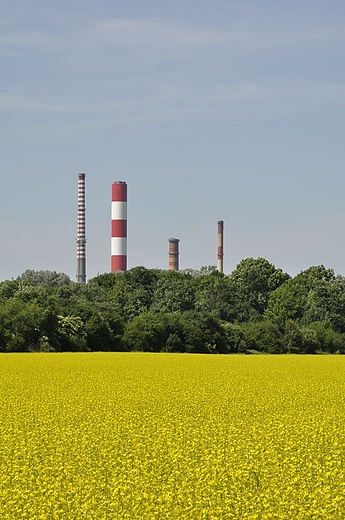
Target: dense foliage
(257, 308)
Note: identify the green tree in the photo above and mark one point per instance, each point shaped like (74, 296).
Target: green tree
(72, 334)
(215, 294)
(299, 339)
(104, 331)
(263, 336)
(314, 295)
(146, 332)
(23, 325)
(287, 303)
(328, 339)
(203, 333)
(175, 335)
(235, 337)
(252, 282)
(51, 278)
(132, 291)
(173, 292)
(8, 288)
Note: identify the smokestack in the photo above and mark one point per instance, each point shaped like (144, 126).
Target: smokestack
(118, 226)
(220, 245)
(81, 237)
(173, 254)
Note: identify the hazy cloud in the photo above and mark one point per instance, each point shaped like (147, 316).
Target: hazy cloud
(157, 33)
(170, 94)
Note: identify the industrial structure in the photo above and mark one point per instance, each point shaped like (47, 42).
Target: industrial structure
(220, 245)
(81, 236)
(118, 226)
(173, 254)
(119, 233)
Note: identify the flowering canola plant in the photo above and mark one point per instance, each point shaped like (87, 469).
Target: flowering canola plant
(140, 436)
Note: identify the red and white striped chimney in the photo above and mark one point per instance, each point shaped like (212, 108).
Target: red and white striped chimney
(81, 237)
(118, 226)
(220, 245)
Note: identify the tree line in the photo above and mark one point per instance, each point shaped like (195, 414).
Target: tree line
(257, 308)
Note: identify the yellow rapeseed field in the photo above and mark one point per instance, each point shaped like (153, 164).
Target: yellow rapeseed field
(171, 436)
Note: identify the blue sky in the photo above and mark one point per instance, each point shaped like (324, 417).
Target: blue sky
(230, 110)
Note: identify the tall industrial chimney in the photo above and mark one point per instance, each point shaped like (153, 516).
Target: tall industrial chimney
(220, 245)
(81, 237)
(173, 254)
(118, 226)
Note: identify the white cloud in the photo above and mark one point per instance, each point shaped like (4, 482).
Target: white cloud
(25, 39)
(81, 33)
(169, 94)
(157, 33)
